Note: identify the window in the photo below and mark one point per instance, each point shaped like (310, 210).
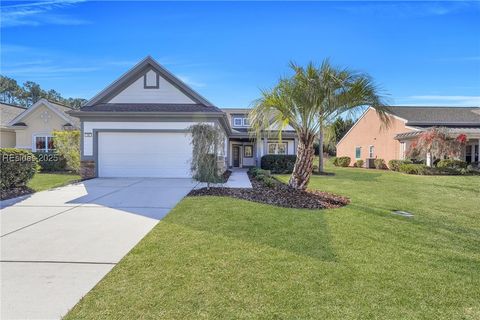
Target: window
(246, 123)
(358, 152)
(371, 151)
(277, 148)
(44, 144)
(248, 151)
(237, 122)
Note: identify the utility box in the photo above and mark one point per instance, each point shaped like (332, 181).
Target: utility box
(370, 163)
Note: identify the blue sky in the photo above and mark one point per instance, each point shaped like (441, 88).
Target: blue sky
(424, 53)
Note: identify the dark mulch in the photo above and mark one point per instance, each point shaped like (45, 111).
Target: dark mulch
(280, 195)
(15, 192)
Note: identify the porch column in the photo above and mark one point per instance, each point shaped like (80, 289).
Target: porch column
(295, 145)
(228, 153)
(429, 159)
(265, 146)
(478, 159)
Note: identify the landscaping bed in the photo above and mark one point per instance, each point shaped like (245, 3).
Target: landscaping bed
(14, 192)
(277, 193)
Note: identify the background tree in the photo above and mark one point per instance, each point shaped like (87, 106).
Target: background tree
(31, 92)
(208, 143)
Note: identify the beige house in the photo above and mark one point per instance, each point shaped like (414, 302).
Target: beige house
(369, 138)
(8, 112)
(33, 128)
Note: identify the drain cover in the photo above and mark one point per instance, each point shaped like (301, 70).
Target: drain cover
(403, 213)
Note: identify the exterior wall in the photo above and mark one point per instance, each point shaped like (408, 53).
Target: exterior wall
(368, 131)
(7, 138)
(40, 121)
(136, 93)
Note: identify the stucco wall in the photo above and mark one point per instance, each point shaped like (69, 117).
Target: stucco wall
(369, 131)
(38, 125)
(7, 138)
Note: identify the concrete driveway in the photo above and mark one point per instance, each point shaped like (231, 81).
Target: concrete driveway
(57, 244)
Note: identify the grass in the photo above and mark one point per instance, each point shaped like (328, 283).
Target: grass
(222, 258)
(44, 181)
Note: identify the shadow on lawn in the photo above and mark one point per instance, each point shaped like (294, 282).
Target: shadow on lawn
(302, 232)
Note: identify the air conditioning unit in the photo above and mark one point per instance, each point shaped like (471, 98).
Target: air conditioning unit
(370, 163)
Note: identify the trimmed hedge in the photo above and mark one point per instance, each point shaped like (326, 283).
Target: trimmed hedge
(394, 165)
(452, 164)
(16, 167)
(342, 161)
(264, 176)
(411, 168)
(379, 164)
(50, 162)
(278, 163)
(358, 163)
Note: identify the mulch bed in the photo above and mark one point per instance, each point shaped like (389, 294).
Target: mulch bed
(279, 195)
(15, 192)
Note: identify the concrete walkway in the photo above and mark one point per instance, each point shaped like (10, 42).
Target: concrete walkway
(238, 179)
(57, 244)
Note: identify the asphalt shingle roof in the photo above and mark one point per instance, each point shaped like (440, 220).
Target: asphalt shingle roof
(438, 115)
(9, 112)
(148, 107)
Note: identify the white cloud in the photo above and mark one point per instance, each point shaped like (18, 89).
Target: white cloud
(38, 13)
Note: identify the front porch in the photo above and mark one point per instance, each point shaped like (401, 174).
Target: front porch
(247, 152)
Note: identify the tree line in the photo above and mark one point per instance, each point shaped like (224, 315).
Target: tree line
(30, 92)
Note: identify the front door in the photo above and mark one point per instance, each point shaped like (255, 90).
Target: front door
(236, 156)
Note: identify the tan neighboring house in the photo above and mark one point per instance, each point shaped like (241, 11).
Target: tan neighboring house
(8, 112)
(33, 128)
(369, 138)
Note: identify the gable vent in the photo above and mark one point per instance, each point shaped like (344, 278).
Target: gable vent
(151, 80)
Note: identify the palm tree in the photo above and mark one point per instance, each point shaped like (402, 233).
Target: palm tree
(309, 99)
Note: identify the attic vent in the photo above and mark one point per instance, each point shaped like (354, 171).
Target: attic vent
(151, 80)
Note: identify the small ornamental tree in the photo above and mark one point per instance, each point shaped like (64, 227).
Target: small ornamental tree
(67, 145)
(208, 144)
(438, 143)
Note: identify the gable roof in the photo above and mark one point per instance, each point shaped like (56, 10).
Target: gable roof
(8, 112)
(437, 116)
(56, 108)
(138, 70)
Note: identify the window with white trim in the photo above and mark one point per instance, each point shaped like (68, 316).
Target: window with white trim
(246, 122)
(277, 148)
(358, 152)
(371, 152)
(237, 122)
(43, 143)
(402, 150)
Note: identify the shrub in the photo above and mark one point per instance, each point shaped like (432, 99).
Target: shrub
(254, 171)
(394, 165)
(342, 161)
(50, 162)
(334, 161)
(67, 145)
(358, 163)
(452, 164)
(16, 167)
(379, 164)
(278, 163)
(411, 168)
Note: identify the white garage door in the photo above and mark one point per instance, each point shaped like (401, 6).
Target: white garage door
(144, 154)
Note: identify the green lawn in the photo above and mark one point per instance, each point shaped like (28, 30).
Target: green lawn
(221, 258)
(44, 181)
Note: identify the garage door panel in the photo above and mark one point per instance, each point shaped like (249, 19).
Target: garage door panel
(146, 154)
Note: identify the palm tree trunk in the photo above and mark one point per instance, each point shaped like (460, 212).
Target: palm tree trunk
(320, 149)
(304, 164)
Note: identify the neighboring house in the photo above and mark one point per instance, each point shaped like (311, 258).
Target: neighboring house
(138, 127)
(369, 138)
(8, 112)
(33, 127)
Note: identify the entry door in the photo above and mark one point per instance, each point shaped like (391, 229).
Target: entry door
(236, 156)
